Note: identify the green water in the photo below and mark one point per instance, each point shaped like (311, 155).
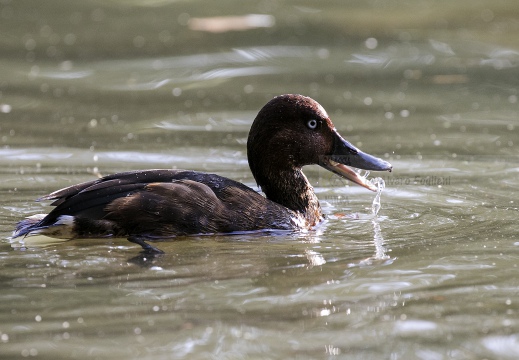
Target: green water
(92, 87)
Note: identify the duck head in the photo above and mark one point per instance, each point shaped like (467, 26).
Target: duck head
(292, 131)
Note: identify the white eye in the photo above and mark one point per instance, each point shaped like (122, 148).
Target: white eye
(312, 124)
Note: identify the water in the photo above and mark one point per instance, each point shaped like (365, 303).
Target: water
(380, 184)
(92, 88)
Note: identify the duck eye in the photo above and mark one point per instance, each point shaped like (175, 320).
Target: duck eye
(312, 124)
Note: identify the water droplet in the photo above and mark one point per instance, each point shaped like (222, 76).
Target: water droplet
(371, 43)
(5, 108)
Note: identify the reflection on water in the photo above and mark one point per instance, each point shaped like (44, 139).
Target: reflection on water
(95, 88)
(231, 23)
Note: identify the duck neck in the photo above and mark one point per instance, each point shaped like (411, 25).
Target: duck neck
(291, 189)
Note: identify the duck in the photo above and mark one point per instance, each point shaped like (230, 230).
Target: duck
(143, 206)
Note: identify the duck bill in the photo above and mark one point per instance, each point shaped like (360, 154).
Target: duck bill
(346, 155)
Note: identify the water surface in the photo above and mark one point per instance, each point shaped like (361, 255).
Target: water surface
(89, 88)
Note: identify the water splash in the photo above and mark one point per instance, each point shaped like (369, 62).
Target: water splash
(378, 240)
(380, 184)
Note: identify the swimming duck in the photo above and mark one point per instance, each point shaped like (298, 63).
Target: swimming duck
(289, 132)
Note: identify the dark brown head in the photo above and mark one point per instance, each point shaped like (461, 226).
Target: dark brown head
(291, 131)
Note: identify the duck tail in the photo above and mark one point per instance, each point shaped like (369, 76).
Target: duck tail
(62, 228)
(27, 225)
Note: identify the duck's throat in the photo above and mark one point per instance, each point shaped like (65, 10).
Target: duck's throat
(292, 190)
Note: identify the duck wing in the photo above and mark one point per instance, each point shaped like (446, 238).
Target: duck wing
(161, 203)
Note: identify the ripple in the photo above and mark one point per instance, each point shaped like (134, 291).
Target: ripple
(503, 346)
(412, 327)
(66, 75)
(439, 53)
(385, 286)
(31, 154)
(158, 158)
(215, 74)
(227, 73)
(245, 55)
(457, 267)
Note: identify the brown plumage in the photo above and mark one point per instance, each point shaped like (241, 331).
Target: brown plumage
(289, 132)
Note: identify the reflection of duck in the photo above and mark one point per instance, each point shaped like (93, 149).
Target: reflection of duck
(289, 132)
